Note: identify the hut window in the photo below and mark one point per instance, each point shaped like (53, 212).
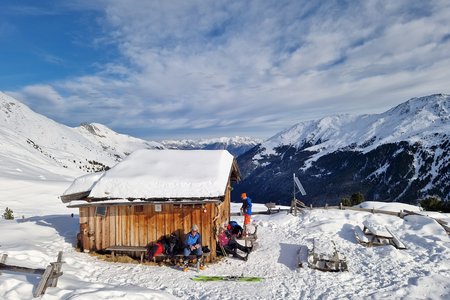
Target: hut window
(100, 211)
(158, 208)
(139, 209)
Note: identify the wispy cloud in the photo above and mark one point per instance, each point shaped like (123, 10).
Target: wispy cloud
(258, 66)
(43, 97)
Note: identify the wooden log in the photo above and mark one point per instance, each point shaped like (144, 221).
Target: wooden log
(20, 269)
(42, 286)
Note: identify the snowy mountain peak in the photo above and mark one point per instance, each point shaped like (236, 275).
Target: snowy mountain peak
(410, 121)
(95, 128)
(437, 105)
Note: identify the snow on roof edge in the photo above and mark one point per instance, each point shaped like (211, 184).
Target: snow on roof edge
(186, 174)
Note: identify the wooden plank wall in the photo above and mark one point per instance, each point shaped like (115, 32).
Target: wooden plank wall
(133, 226)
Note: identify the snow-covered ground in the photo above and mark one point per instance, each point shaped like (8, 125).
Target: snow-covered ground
(422, 271)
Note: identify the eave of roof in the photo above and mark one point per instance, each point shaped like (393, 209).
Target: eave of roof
(128, 202)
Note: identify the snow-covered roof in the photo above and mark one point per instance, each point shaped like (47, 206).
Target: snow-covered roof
(163, 174)
(81, 185)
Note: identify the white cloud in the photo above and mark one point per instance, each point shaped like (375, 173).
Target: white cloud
(258, 66)
(41, 95)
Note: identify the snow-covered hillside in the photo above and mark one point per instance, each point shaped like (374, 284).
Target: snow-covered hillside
(235, 145)
(30, 140)
(402, 154)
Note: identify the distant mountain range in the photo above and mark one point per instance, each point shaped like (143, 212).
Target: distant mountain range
(400, 155)
(235, 145)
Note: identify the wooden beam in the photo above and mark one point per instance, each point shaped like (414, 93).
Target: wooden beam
(144, 202)
(42, 286)
(20, 269)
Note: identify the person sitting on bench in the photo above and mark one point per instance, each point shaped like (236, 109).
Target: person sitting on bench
(192, 245)
(230, 245)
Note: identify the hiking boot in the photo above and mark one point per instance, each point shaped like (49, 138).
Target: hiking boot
(202, 267)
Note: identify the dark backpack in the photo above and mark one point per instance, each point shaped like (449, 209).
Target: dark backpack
(235, 228)
(172, 245)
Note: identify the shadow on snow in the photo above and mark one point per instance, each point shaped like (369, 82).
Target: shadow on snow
(66, 225)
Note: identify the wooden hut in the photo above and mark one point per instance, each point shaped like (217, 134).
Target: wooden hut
(153, 193)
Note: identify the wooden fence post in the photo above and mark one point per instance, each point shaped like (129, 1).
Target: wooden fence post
(57, 269)
(3, 260)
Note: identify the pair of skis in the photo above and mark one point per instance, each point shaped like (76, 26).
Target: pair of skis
(227, 278)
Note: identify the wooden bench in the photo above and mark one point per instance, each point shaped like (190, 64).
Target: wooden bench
(143, 250)
(140, 250)
(374, 234)
(271, 208)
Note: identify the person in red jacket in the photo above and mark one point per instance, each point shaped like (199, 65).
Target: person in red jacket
(154, 249)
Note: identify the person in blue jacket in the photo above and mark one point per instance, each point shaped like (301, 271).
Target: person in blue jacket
(192, 245)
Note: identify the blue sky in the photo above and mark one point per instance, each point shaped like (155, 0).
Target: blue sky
(190, 69)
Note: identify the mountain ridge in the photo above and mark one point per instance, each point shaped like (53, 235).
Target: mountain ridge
(235, 145)
(411, 138)
(58, 147)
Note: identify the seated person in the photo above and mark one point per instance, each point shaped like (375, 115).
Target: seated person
(192, 245)
(230, 245)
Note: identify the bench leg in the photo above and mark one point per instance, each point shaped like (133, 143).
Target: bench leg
(142, 257)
